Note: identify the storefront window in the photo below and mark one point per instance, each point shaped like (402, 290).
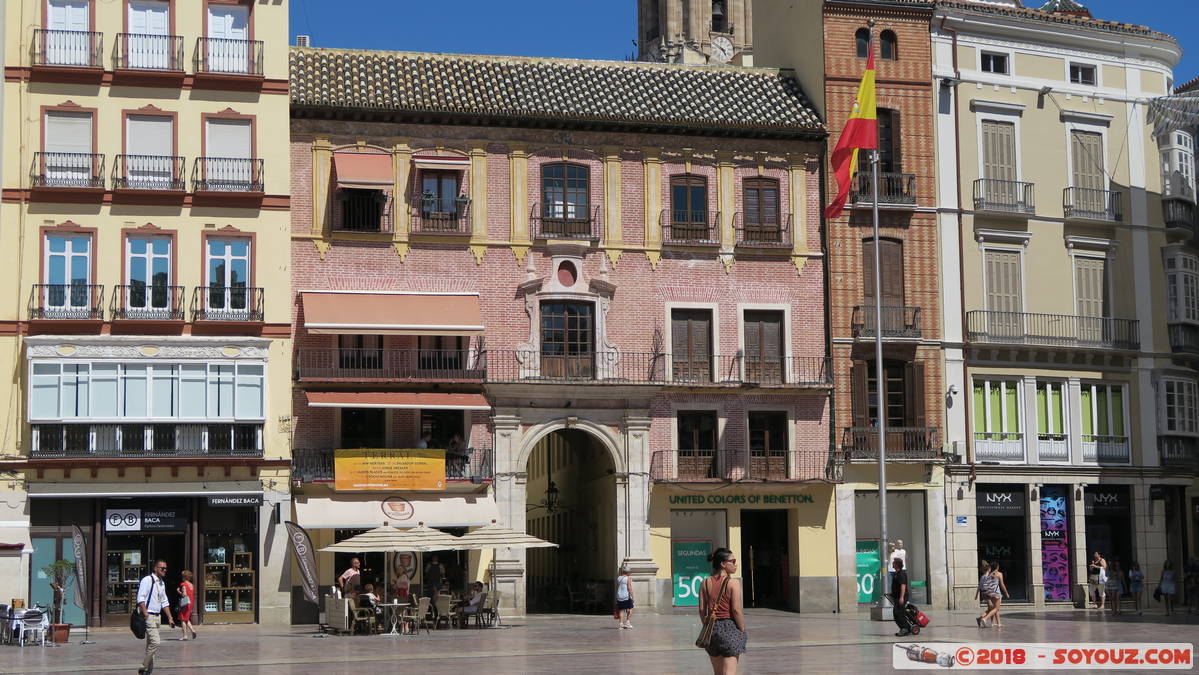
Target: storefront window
(694, 533)
(1055, 541)
(230, 577)
(1003, 534)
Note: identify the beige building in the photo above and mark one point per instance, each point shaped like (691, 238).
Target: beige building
(145, 320)
(1066, 391)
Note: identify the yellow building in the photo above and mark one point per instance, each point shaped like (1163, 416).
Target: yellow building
(1061, 375)
(145, 322)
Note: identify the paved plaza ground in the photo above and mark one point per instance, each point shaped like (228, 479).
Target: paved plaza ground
(779, 642)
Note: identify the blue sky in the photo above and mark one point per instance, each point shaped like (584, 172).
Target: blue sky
(594, 29)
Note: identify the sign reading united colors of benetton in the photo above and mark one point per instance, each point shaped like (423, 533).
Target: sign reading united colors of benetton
(365, 470)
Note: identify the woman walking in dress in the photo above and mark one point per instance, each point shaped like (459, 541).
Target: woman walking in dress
(1167, 586)
(624, 598)
(1136, 585)
(1115, 586)
(728, 635)
(187, 600)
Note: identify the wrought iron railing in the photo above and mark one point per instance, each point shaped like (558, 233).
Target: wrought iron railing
(657, 368)
(1051, 330)
(1181, 452)
(560, 220)
(227, 174)
(689, 227)
(999, 446)
(1184, 338)
(1106, 449)
(148, 172)
(77, 48)
(435, 215)
(67, 170)
(66, 301)
(897, 322)
(82, 441)
(142, 302)
(1004, 196)
(311, 465)
(148, 52)
(763, 231)
(335, 363)
(222, 56)
(903, 443)
(893, 188)
(720, 465)
(1179, 213)
(362, 211)
(1093, 204)
(228, 303)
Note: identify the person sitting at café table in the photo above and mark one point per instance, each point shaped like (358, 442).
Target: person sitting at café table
(472, 606)
(367, 598)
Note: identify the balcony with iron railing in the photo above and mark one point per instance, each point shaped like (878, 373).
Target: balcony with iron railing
(690, 228)
(141, 52)
(999, 446)
(228, 304)
(67, 170)
(1184, 337)
(1092, 204)
(142, 440)
(362, 211)
(894, 189)
(1051, 330)
(1008, 197)
(1053, 447)
(442, 215)
(762, 231)
(1179, 452)
(659, 369)
(362, 365)
(225, 57)
(67, 48)
(561, 220)
(897, 322)
(721, 465)
(1105, 449)
(903, 444)
(1178, 207)
(148, 172)
(315, 465)
(141, 302)
(67, 302)
(227, 175)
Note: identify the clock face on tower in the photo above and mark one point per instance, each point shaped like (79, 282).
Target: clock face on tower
(722, 49)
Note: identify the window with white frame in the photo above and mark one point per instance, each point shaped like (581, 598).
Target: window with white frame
(148, 274)
(1182, 288)
(997, 410)
(1180, 406)
(1103, 412)
(146, 391)
(1178, 164)
(1051, 418)
(996, 63)
(1083, 73)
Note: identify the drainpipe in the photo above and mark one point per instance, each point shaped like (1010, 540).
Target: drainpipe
(828, 322)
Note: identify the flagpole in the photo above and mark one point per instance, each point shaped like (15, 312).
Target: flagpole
(880, 389)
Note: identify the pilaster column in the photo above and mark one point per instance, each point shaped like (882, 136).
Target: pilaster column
(725, 202)
(637, 556)
(1078, 541)
(518, 193)
(1032, 454)
(478, 194)
(651, 161)
(1074, 407)
(322, 165)
(797, 174)
(1036, 576)
(402, 213)
(612, 202)
(508, 569)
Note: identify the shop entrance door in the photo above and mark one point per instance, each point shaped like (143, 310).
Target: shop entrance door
(763, 559)
(1003, 540)
(128, 558)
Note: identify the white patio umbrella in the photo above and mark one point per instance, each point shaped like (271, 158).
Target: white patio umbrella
(390, 539)
(498, 536)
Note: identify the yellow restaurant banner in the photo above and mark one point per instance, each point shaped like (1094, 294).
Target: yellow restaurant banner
(387, 469)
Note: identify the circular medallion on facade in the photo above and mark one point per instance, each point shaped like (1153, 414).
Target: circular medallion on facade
(66, 350)
(148, 350)
(231, 351)
(397, 508)
(567, 274)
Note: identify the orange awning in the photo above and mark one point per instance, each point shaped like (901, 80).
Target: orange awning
(396, 399)
(451, 162)
(365, 170)
(401, 313)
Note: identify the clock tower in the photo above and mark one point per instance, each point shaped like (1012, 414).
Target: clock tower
(695, 31)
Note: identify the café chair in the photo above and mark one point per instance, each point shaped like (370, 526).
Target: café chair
(418, 618)
(491, 609)
(5, 625)
(31, 628)
(442, 606)
(363, 617)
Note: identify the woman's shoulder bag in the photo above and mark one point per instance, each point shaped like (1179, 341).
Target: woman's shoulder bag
(705, 633)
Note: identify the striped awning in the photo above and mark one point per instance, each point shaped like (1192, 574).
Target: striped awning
(1178, 111)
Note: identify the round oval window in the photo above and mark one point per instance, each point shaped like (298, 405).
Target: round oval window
(567, 274)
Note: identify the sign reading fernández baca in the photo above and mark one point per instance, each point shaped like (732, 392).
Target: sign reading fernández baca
(386, 469)
(742, 499)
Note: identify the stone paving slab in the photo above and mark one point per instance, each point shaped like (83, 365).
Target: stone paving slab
(779, 642)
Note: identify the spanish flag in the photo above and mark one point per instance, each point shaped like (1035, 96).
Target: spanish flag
(861, 133)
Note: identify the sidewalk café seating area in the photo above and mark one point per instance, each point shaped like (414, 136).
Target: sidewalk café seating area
(20, 626)
(344, 616)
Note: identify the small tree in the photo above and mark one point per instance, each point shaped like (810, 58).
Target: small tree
(60, 573)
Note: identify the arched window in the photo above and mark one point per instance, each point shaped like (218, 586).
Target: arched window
(888, 46)
(862, 40)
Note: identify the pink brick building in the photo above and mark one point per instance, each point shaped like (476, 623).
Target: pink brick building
(597, 285)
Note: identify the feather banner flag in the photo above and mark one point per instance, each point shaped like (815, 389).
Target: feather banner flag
(860, 133)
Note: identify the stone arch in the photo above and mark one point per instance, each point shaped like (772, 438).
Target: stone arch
(610, 441)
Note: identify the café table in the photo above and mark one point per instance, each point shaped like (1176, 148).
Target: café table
(15, 625)
(394, 608)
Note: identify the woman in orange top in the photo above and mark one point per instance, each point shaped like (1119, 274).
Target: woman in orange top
(728, 635)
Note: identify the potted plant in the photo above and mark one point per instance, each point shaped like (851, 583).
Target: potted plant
(60, 573)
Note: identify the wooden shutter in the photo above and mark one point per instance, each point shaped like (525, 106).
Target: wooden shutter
(860, 395)
(1003, 281)
(891, 264)
(763, 345)
(691, 343)
(1086, 149)
(999, 150)
(1090, 281)
(913, 394)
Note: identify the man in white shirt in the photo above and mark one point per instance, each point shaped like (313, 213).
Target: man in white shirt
(152, 600)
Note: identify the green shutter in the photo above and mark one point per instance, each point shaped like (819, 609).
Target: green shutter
(1012, 425)
(980, 408)
(1042, 409)
(1117, 395)
(1088, 423)
(1101, 400)
(993, 394)
(1055, 405)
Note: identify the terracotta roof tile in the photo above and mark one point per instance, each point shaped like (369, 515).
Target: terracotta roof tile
(1053, 17)
(566, 89)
